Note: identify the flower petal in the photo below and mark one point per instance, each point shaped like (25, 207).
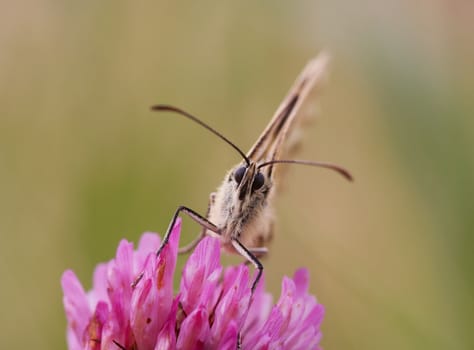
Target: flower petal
(149, 243)
(93, 334)
(76, 306)
(229, 338)
(194, 331)
(234, 303)
(301, 280)
(166, 339)
(99, 285)
(200, 281)
(153, 295)
(268, 334)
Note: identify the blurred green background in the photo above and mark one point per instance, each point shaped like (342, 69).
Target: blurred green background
(83, 163)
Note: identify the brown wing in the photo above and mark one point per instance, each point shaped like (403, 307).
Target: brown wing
(280, 136)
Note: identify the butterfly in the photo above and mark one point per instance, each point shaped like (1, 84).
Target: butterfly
(240, 211)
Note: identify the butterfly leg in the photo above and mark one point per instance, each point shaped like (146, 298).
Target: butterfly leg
(258, 252)
(189, 247)
(246, 253)
(201, 220)
(206, 224)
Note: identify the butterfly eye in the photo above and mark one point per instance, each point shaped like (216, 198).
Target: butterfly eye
(239, 174)
(258, 181)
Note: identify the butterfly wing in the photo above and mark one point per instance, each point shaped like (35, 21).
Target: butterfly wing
(282, 134)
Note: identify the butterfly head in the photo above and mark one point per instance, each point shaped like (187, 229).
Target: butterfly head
(249, 180)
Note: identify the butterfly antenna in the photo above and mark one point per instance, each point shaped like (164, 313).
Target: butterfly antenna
(169, 108)
(330, 166)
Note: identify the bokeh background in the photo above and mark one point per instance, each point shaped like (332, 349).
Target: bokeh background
(84, 163)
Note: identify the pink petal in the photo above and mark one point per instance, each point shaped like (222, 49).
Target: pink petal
(268, 334)
(144, 315)
(117, 328)
(76, 306)
(73, 342)
(200, 281)
(234, 303)
(99, 285)
(93, 333)
(194, 331)
(300, 313)
(301, 280)
(120, 276)
(285, 303)
(149, 243)
(228, 340)
(304, 339)
(153, 295)
(166, 339)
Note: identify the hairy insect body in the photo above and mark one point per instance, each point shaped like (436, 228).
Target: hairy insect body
(241, 212)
